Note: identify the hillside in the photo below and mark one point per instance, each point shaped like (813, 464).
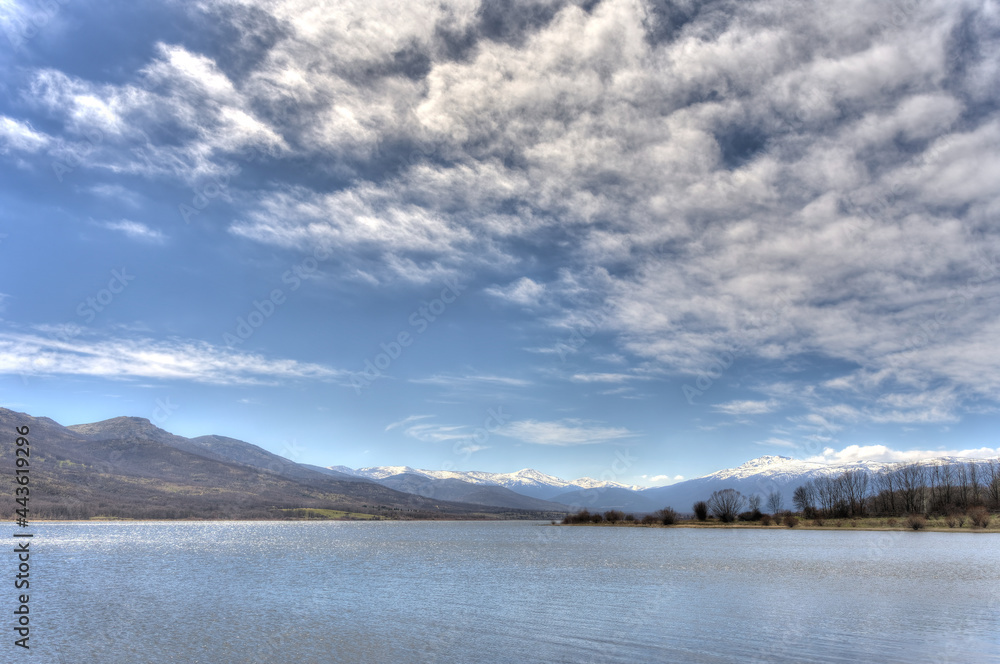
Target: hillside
(127, 467)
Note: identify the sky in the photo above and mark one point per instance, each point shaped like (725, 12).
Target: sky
(636, 241)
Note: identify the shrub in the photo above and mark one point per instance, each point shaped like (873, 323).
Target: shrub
(630, 517)
(891, 522)
(753, 515)
(854, 524)
(614, 516)
(700, 510)
(980, 517)
(649, 520)
(817, 521)
(915, 521)
(765, 520)
(790, 521)
(596, 518)
(667, 516)
(726, 504)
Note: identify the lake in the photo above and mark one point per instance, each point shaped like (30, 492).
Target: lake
(388, 592)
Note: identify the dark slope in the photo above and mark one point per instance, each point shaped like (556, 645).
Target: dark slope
(127, 467)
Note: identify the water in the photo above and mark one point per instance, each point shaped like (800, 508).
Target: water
(463, 592)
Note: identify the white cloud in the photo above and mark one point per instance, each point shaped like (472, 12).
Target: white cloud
(136, 230)
(194, 361)
(776, 442)
(563, 432)
(746, 407)
(854, 453)
(17, 135)
(524, 291)
(471, 380)
(601, 378)
(407, 420)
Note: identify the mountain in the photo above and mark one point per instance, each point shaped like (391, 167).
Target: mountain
(526, 481)
(467, 492)
(128, 467)
(765, 474)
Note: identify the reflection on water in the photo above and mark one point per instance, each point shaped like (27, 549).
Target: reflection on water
(462, 592)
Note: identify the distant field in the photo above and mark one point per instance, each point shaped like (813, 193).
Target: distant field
(317, 513)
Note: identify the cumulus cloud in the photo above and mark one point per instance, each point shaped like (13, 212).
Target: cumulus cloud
(766, 180)
(854, 453)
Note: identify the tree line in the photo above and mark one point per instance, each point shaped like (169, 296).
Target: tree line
(909, 488)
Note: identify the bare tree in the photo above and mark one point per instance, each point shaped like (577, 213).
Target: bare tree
(700, 510)
(993, 483)
(774, 502)
(753, 503)
(855, 483)
(726, 504)
(911, 487)
(804, 497)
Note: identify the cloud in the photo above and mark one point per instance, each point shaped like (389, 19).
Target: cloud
(407, 420)
(524, 291)
(854, 453)
(471, 380)
(136, 230)
(195, 361)
(19, 136)
(437, 433)
(781, 183)
(777, 442)
(746, 407)
(602, 378)
(563, 432)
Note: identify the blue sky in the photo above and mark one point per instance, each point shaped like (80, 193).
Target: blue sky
(629, 240)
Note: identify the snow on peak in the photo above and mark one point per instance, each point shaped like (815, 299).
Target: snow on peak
(763, 461)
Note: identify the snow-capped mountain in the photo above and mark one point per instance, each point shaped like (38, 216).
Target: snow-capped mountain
(759, 476)
(526, 481)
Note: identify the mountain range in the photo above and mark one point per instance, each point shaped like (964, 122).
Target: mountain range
(129, 467)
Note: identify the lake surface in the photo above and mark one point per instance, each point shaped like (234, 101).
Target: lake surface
(454, 592)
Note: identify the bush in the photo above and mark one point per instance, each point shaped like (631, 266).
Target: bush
(891, 522)
(614, 516)
(765, 520)
(649, 520)
(701, 510)
(818, 522)
(667, 516)
(583, 516)
(596, 518)
(980, 517)
(753, 515)
(630, 517)
(790, 521)
(915, 521)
